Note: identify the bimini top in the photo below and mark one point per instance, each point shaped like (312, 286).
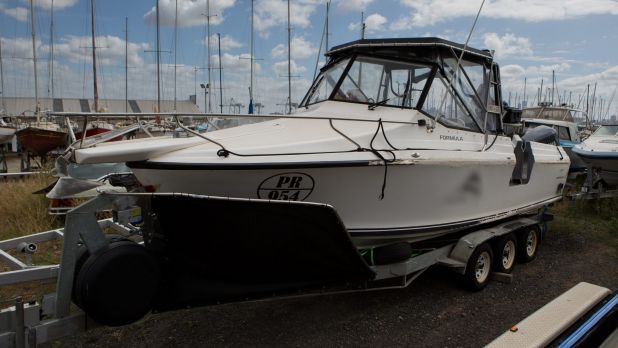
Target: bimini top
(402, 46)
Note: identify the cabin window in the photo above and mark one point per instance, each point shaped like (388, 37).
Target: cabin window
(325, 83)
(445, 107)
(372, 80)
(563, 133)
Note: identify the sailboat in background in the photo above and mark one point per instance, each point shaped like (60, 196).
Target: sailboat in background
(40, 137)
(96, 127)
(6, 131)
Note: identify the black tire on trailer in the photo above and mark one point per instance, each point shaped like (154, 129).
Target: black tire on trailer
(505, 253)
(118, 285)
(479, 267)
(391, 253)
(528, 241)
(82, 256)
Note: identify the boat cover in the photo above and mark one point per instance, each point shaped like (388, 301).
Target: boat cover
(219, 249)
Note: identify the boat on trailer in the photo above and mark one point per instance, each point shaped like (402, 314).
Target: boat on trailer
(600, 153)
(403, 137)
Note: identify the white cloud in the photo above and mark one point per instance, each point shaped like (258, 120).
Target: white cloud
(21, 14)
(271, 13)
(227, 43)
(508, 45)
(373, 23)
(111, 52)
(431, 12)
(190, 12)
(58, 4)
(301, 49)
(353, 5)
(281, 68)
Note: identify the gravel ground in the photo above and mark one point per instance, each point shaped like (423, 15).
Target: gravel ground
(434, 311)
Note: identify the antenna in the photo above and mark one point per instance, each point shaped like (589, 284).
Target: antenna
(362, 25)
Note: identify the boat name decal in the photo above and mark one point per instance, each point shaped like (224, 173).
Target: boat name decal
(451, 137)
(286, 187)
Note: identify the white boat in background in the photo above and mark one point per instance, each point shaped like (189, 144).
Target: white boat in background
(562, 119)
(6, 132)
(600, 152)
(403, 142)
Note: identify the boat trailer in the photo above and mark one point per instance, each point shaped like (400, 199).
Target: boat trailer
(165, 251)
(593, 187)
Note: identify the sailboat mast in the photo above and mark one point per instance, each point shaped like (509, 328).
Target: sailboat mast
(126, 64)
(208, 52)
(220, 75)
(251, 59)
(2, 81)
(36, 77)
(327, 13)
(94, 63)
(175, 50)
(51, 52)
(289, 63)
(524, 97)
(158, 61)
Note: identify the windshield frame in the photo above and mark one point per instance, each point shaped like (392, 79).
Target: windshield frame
(437, 66)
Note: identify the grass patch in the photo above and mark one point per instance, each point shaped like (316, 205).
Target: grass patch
(596, 218)
(23, 213)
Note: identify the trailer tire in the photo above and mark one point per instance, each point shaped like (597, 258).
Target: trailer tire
(505, 253)
(82, 256)
(528, 241)
(118, 285)
(387, 254)
(479, 267)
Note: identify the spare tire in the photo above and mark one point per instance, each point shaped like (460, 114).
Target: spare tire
(118, 285)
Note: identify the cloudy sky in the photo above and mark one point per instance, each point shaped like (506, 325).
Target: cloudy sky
(578, 39)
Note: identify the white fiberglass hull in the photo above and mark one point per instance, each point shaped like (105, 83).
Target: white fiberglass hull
(6, 134)
(422, 198)
(601, 154)
(437, 180)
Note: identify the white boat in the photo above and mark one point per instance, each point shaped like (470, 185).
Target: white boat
(600, 152)
(562, 119)
(402, 147)
(6, 132)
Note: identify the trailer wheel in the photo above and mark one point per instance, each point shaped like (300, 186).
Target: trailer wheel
(529, 239)
(117, 286)
(479, 267)
(505, 251)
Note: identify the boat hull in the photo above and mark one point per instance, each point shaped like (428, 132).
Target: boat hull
(604, 162)
(421, 199)
(96, 131)
(6, 134)
(40, 141)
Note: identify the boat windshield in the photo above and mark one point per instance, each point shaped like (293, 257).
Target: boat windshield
(457, 93)
(325, 83)
(558, 114)
(606, 130)
(373, 80)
